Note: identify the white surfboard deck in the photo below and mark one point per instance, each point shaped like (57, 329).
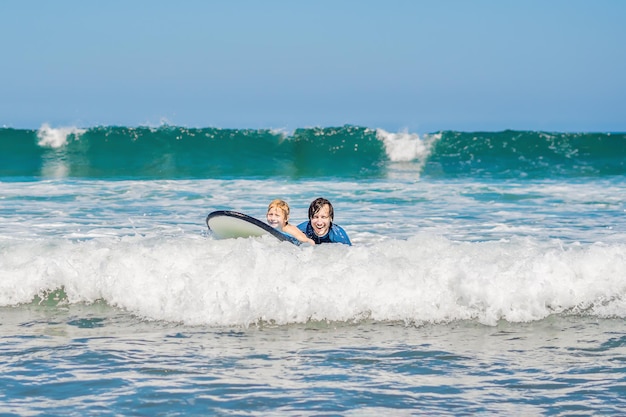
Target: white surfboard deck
(225, 224)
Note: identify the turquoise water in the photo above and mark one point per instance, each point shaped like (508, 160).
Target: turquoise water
(487, 274)
(345, 152)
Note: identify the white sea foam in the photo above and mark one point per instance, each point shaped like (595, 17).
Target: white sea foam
(425, 279)
(423, 251)
(283, 132)
(50, 137)
(404, 146)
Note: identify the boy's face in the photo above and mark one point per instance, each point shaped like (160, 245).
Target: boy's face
(276, 218)
(321, 221)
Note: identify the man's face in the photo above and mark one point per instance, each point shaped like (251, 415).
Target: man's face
(321, 221)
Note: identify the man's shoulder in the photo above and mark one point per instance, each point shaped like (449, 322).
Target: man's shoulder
(302, 226)
(338, 235)
(338, 228)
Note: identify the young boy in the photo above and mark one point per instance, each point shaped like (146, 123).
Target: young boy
(278, 218)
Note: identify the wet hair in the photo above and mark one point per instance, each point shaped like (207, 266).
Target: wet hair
(281, 205)
(317, 204)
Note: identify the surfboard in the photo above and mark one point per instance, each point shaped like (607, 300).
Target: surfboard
(225, 224)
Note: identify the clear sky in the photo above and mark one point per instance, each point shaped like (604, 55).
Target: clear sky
(416, 65)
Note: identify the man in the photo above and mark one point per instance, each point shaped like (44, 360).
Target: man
(320, 226)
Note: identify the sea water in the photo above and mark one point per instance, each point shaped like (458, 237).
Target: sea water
(487, 274)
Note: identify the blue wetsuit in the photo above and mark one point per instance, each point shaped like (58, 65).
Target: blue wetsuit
(335, 234)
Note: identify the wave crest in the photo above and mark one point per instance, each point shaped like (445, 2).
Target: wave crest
(50, 137)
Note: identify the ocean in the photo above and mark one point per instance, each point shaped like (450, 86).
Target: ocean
(487, 274)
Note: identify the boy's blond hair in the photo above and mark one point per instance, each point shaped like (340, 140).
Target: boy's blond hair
(281, 205)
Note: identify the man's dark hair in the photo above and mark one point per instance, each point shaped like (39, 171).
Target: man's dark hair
(317, 204)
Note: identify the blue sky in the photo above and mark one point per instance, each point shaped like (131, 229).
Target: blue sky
(413, 65)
